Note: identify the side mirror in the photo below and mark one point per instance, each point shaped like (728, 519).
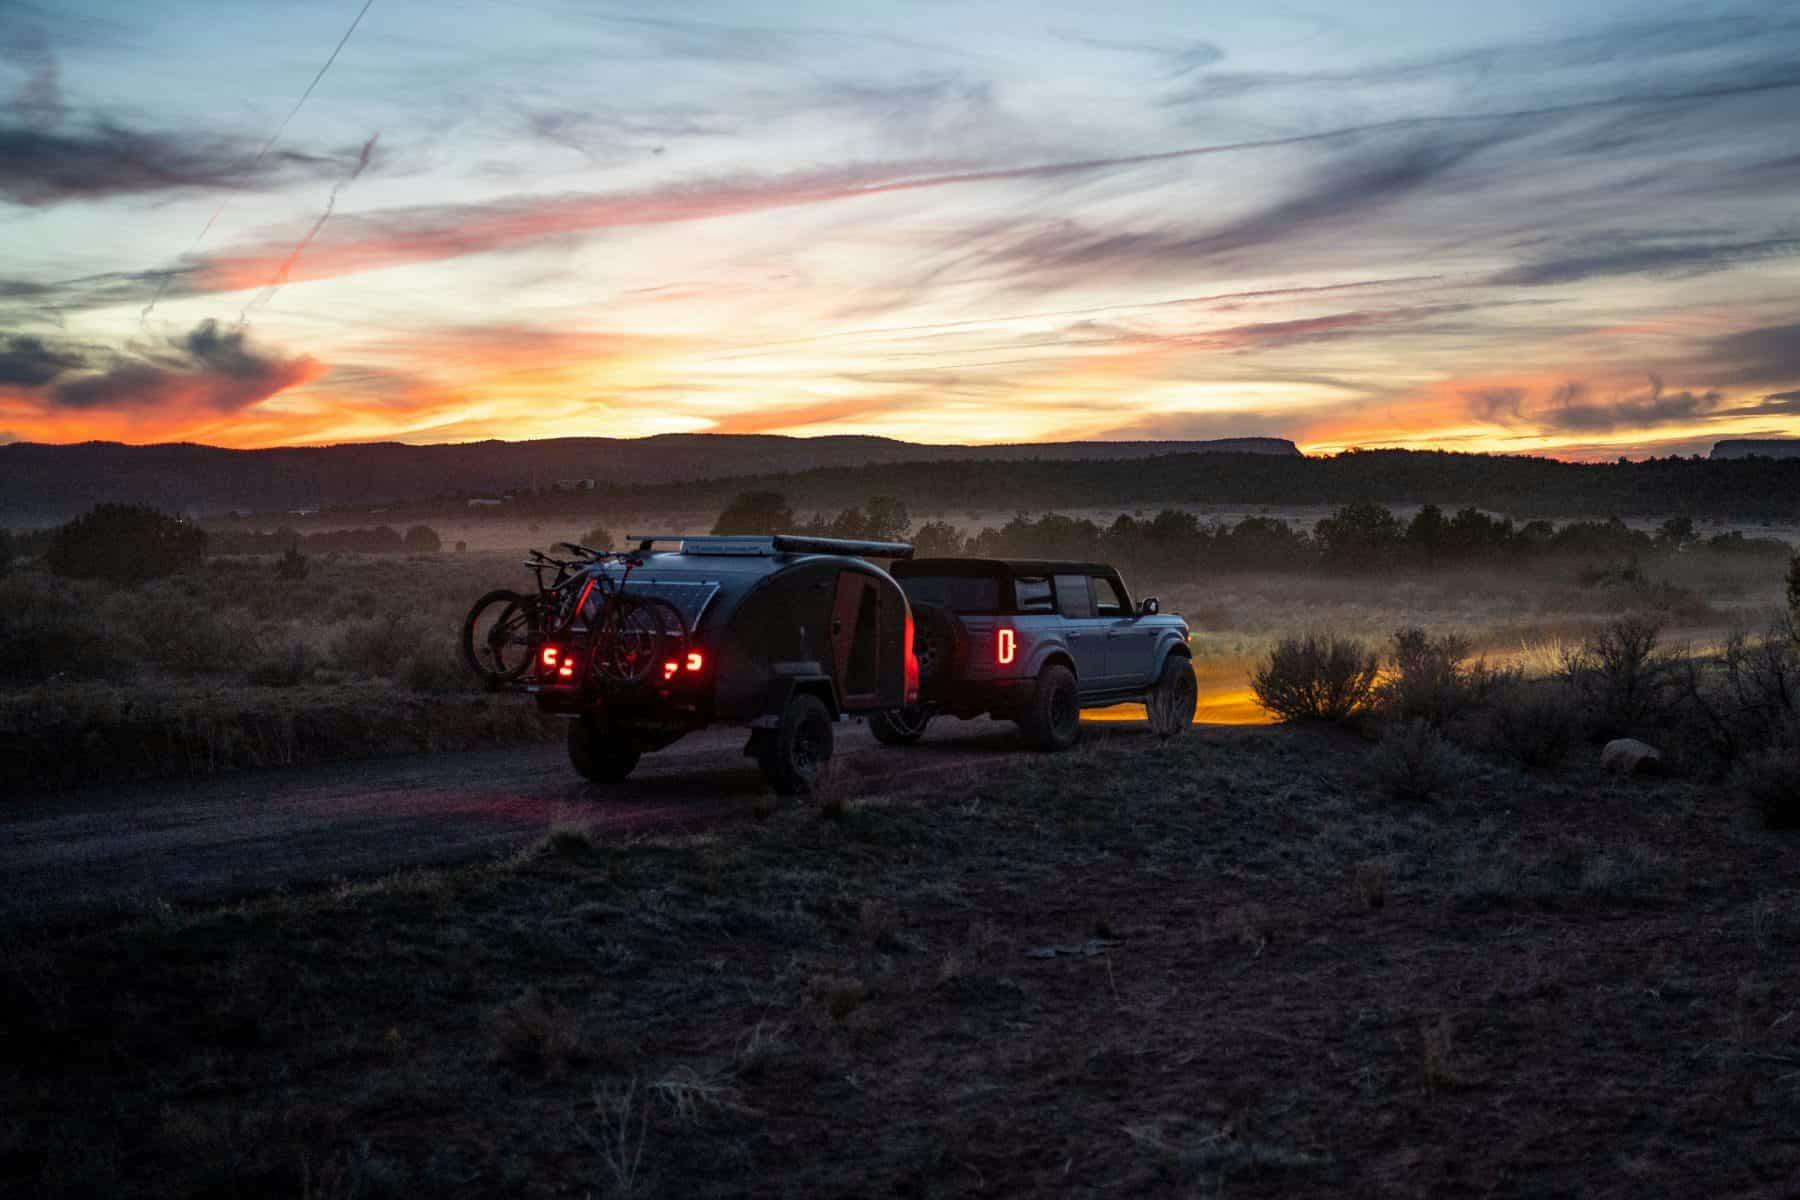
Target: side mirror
(1149, 608)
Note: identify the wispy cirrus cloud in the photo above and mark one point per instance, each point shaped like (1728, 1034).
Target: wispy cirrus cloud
(1609, 256)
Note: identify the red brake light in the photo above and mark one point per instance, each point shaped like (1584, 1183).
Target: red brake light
(695, 660)
(669, 669)
(1006, 645)
(567, 670)
(549, 656)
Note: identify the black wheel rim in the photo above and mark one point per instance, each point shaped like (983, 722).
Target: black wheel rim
(910, 721)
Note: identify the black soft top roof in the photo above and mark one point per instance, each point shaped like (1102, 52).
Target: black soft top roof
(1010, 567)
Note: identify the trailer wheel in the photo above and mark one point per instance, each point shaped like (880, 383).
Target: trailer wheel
(899, 726)
(1052, 717)
(794, 754)
(601, 753)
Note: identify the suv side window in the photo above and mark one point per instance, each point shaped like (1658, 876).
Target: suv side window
(1073, 599)
(1032, 593)
(1108, 600)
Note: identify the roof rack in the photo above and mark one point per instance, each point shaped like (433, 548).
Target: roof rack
(780, 543)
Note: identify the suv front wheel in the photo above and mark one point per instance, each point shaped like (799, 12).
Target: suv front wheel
(1051, 719)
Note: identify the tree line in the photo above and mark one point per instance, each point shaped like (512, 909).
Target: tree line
(1356, 537)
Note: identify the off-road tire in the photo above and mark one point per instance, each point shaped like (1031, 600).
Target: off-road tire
(899, 726)
(515, 614)
(1051, 719)
(1171, 702)
(940, 644)
(601, 753)
(796, 752)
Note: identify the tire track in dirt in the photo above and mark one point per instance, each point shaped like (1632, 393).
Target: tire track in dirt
(228, 835)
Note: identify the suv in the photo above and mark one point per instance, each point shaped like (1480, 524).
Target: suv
(1036, 642)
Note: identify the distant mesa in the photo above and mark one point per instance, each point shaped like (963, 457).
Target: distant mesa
(1757, 448)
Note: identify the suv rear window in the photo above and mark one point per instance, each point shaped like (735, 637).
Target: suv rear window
(958, 593)
(1032, 593)
(1073, 598)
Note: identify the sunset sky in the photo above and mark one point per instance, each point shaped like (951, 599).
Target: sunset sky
(1531, 226)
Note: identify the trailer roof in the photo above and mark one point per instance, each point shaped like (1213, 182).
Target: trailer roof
(735, 545)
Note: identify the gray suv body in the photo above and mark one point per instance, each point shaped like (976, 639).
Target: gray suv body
(1035, 641)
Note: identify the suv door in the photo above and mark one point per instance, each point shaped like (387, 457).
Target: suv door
(1086, 634)
(1130, 643)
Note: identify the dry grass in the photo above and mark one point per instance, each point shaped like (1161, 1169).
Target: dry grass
(687, 1015)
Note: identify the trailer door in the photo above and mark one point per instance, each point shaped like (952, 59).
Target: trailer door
(856, 639)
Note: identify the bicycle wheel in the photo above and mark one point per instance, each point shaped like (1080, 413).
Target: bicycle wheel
(498, 636)
(637, 634)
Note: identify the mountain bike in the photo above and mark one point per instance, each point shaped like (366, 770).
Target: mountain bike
(601, 632)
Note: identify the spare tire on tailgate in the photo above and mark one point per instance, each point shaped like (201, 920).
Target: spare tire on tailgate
(941, 645)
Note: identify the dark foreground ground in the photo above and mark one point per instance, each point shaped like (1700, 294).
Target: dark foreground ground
(1222, 965)
(226, 835)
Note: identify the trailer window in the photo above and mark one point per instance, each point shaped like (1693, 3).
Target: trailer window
(958, 593)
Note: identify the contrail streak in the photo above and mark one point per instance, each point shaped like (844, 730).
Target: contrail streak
(163, 285)
(281, 275)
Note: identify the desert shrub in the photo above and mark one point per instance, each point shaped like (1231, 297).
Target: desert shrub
(289, 666)
(47, 633)
(1316, 677)
(177, 630)
(1532, 723)
(436, 670)
(1620, 677)
(1746, 699)
(1793, 592)
(291, 566)
(379, 646)
(422, 539)
(125, 543)
(1413, 761)
(1769, 780)
(1430, 679)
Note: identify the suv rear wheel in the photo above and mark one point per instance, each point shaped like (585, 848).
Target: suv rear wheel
(794, 755)
(1052, 717)
(899, 726)
(602, 753)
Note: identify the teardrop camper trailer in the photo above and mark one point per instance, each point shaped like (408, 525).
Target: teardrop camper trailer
(785, 635)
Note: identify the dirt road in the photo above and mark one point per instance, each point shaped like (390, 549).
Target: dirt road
(229, 834)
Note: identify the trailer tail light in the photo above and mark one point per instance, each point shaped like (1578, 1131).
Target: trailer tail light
(548, 657)
(695, 660)
(1005, 646)
(669, 669)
